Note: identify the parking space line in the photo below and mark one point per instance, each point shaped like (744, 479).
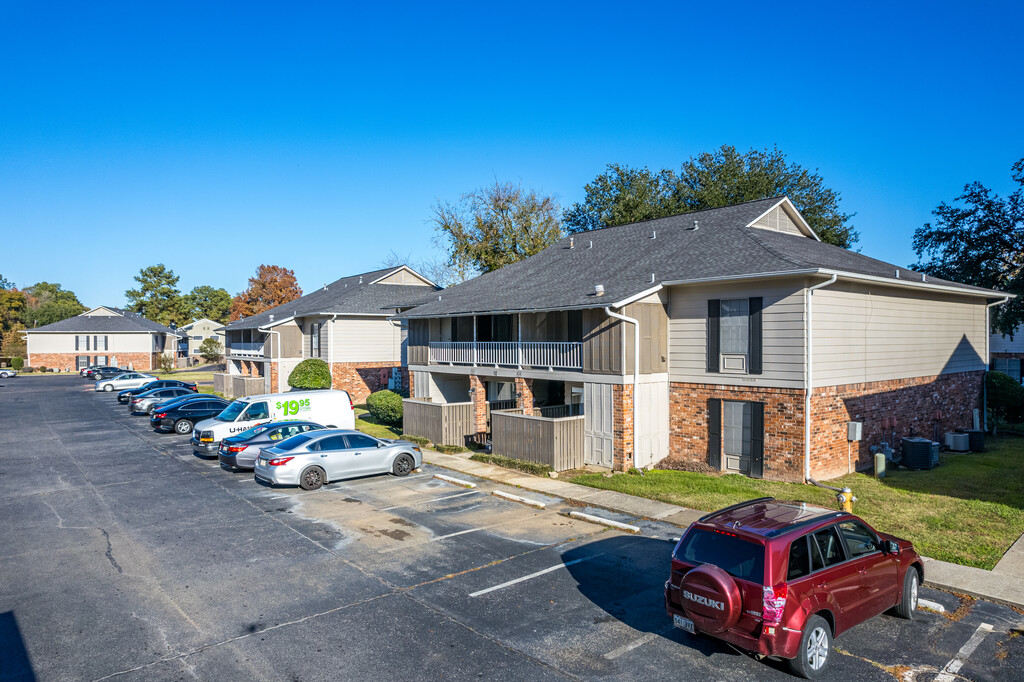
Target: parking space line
(461, 532)
(532, 576)
(434, 499)
(949, 673)
(626, 648)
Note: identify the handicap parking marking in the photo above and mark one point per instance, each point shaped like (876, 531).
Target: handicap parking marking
(531, 576)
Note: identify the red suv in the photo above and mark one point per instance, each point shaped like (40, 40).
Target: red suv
(783, 579)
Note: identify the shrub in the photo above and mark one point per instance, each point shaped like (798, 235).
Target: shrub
(419, 440)
(42, 368)
(17, 363)
(1005, 397)
(165, 363)
(534, 468)
(211, 350)
(385, 406)
(450, 449)
(310, 375)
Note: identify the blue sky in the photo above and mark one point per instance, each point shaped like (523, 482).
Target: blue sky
(214, 137)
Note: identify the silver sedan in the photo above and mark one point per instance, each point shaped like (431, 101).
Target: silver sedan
(311, 459)
(123, 381)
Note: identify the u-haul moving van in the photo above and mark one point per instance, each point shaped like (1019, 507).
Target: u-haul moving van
(332, 409)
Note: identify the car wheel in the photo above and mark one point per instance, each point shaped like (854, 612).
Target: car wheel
(312, 478)
(183, 426)
(4, 375)
(108, 388)
(403, 465)
(815, 646)
(908, 606)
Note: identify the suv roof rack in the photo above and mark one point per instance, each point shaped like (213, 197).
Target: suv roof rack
(805, 522)
(738, 505)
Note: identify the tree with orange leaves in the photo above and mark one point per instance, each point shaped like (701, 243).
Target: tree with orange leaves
(272, 286)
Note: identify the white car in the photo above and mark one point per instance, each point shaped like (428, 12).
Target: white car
(123, 381)
(7, 372)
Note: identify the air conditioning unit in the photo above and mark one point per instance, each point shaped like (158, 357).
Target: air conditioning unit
(919, 453)
(958, 442)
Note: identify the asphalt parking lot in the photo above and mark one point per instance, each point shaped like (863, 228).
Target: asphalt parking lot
(123, 556)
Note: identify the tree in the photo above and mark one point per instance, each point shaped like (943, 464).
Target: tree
(48, 302)
(12, 308)
(1005, 398)
(6, 283)
(211, 350)
(165, 363)
(157, 297)
(980, 243)
(494, 226)
(272, 286)
(206, 301)
(13, 342)
(712, 179)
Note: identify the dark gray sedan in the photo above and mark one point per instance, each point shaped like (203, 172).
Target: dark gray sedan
(240, 452)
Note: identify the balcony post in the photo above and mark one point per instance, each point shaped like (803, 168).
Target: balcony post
(519, 340)
(474, 340)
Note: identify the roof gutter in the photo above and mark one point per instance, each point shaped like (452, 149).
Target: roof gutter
(636, 364)
(988, 356)
(809, 366)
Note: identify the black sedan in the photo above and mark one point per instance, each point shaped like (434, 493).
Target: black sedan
(141, 403)
(104, 372)
(126, 394)
(181, 416)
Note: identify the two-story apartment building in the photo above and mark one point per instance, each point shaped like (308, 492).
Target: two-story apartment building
(345, 323)
(102, 336)
(194, 333)
(1006, 353)
(731, 338)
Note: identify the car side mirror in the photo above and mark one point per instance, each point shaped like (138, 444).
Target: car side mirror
(892, 547)
(379, 444)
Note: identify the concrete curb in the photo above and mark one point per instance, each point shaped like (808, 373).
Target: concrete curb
(600, 520)
(515, 498)
(455, 481)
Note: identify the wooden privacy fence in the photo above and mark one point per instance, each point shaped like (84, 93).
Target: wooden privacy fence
(441, 423)
(242, 386)
(222, 384)
(555, 442)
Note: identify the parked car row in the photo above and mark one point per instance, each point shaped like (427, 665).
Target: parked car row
(303, 438)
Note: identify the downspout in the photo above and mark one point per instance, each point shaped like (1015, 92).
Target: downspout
(636, 363)
(271, 331)
(988, 361)
(808, 383)
(330, 347)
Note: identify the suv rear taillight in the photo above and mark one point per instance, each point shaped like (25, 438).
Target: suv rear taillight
(774, 604)
(278, 461)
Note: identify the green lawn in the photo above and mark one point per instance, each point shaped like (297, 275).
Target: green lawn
(184, 375)
(968, 511)
(367, 424)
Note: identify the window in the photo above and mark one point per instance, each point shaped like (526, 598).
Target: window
(81, 361)
(294, 442)
(799, 559)
(825, 549)
(330, 443)
(736, 431)
(197, 338)
(859, 540)
(738, 557)
(82, 342)
(314, 340)
(1009, 366)
(735, 326)
(257, 411)
(101, 359)
(360, 442)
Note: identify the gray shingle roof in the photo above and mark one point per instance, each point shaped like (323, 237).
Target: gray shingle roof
(624, 258)
(124, 321)
(346, 296)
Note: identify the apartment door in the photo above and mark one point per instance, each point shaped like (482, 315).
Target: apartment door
(652, 423)
(736, 436)
(598, 432)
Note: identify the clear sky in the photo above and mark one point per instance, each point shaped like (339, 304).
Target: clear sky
(214, 137)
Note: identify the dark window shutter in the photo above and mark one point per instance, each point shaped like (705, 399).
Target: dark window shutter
(106, 343)
(754, 337)
(714, 313)
(715, 433)
(757, 440)
(76, 341)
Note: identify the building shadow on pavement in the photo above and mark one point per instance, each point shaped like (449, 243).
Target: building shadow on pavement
(15, 665)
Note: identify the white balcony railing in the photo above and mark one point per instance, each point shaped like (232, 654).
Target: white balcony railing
(550, 354)
(246, 349)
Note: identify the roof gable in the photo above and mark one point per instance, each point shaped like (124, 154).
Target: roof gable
(404, 275)
(784, 217)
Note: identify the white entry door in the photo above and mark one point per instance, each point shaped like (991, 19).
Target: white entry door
(651, 423)
(598, 430)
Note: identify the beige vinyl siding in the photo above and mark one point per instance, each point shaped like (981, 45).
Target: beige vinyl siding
(782, 321)
(866, 333)
(369, 339)
(65, 343)
(778, 220)
(100, 312)
(404, 277)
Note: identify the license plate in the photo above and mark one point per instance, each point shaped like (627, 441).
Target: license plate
(683, 623)
(263, 462)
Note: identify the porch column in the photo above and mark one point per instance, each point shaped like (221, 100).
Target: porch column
(622, 427)
(524, 389)
(479, 399)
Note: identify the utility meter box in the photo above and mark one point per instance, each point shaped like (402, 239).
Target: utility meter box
(854, 431)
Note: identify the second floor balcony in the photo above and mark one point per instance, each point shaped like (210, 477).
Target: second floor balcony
(547, 354)
(246, 349)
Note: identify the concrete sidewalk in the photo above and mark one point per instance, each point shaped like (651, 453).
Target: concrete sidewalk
(1004, 584)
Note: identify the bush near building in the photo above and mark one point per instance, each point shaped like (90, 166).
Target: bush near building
(17, 363)
(385, 406)
(311, 374)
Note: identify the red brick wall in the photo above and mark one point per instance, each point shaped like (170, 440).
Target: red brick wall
(912, 407)
(524, 387)
(622, 427)
(479, 398)
(275, 373)
(783, 426)
(140, 361)
(904, 407)
(408, 379)
(361, 379)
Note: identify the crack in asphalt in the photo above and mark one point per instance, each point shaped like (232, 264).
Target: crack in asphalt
(110, 551)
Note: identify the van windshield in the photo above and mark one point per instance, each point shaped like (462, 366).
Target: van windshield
(737, 557)
(232, 411)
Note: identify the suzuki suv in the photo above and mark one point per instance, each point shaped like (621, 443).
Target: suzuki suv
(783, 579)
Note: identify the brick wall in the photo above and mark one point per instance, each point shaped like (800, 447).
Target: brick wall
(408, 379)
(140, 361)
(524, 387)
(361, 379)
(904, 407)
(275, 373)
(783, 426)
(622, 427)
(479, 397)
(889, 410)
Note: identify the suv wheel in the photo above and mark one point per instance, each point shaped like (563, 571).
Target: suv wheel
(908, 605)
(815, 647)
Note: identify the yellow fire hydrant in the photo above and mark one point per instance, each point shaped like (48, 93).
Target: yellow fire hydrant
(846, 499)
